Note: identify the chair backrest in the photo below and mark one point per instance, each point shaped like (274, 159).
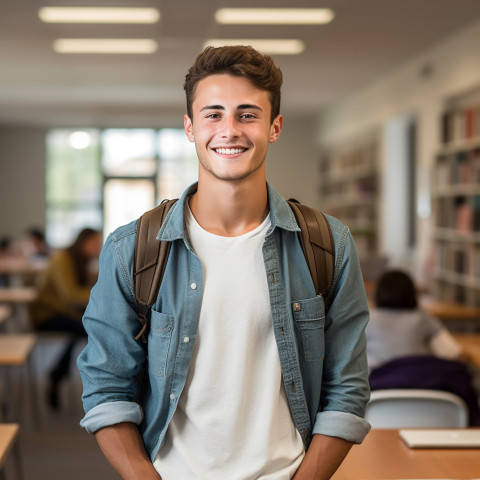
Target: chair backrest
(407, 408)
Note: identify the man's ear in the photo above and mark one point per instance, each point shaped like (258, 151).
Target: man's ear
(188, 126)
(276, 128)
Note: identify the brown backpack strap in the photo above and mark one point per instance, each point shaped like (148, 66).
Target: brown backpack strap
(150, 260)
(317, 245)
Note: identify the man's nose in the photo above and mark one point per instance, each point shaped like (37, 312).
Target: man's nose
(230, 127)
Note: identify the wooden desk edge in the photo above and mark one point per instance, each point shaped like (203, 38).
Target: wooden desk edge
(20, 356)
(8, 436)
(450, 310)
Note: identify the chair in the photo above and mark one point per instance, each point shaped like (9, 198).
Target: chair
(407, 408)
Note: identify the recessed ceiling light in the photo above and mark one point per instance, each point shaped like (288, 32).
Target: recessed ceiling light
(79, 140)
(270, 46)
(98, 15)
(105, 45)
(272, 16)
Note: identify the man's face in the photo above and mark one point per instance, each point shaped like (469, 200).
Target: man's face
(231, 127)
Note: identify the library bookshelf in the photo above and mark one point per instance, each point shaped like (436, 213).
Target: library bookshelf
(456, 207)
(349, 191)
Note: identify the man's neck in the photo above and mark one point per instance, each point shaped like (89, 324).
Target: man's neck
(232, 208)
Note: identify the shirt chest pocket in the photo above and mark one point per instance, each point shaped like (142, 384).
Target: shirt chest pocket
(159, 340)
(309, 317)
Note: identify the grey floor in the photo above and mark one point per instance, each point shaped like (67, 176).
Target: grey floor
(52, 445)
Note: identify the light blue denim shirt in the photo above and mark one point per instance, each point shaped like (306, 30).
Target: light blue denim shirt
(322, 357)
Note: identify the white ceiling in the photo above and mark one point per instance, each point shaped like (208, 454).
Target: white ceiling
(367, 38)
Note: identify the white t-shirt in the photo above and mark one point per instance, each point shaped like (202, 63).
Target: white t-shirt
(232, 421)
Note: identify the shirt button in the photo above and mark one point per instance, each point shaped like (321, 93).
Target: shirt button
(296, 307)
(172, 396)
(186, 339)
(193, 286)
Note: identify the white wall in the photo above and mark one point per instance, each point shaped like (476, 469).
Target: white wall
(22, 179)
(292, 161)
(454, 68)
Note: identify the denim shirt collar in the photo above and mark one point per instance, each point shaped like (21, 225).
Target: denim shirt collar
(173, 227)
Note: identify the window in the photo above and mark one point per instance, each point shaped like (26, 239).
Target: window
(106, 178)
(73, 184)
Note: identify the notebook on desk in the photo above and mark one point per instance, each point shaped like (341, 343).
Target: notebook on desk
(441, 438)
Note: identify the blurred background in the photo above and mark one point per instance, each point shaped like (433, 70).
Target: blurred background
(381, 101)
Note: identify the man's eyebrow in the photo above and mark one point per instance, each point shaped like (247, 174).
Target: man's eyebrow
(248, 106)
(212, 107)
(243, 106)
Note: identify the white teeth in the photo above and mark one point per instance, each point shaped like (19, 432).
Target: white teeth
(229, 151)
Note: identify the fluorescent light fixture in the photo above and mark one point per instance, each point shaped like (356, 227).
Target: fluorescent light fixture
(98, 15)
(270, 46)
(105, 45)
(274, 16)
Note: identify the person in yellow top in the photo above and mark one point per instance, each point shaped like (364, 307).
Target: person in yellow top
(63, 294)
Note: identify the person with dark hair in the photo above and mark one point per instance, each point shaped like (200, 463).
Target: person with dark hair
(63, 293)
(6, 252)
(398, 328)
(249, 377)
(407, 348)
(5, 245)
(34, 245)
(395, 289)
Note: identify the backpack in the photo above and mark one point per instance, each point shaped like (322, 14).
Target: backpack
(151, 255)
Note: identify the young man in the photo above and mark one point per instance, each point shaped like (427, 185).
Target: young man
(248, 377)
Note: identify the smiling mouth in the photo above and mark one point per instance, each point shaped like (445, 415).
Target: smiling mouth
(230, 151)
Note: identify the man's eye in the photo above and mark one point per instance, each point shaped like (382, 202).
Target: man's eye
(248, 116)
(213, 115)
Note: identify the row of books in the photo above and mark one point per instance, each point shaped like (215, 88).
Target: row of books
(355, 217)
(460, 124)
(360, 187)
(458, 168)
(336, 163)
(366, 245)
(463, 259)
(456, 293)
(462, 213)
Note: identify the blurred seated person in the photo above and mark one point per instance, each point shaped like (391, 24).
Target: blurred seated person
(64, 290)
(5, 247)
(5, 254)
(34, 245)
(398, 328)
(407, 348)
(35, 252)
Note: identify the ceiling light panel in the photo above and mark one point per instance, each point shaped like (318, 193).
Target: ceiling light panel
(270, 46)
(274, 16)
(105, 45)
(98, 15)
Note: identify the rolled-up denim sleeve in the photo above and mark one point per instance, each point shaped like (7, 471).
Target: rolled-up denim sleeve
(112, 357)
(110, 413)
(345, 388)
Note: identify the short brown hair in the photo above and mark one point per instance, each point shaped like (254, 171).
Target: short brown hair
(240, 61)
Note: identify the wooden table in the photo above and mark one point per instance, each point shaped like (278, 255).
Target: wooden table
(17, 295)
(383, 456)
(470, 343)
(450, 310)
(8, 435)
(5, 312)
(21, 266)
(18, 298)
(16, 348)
